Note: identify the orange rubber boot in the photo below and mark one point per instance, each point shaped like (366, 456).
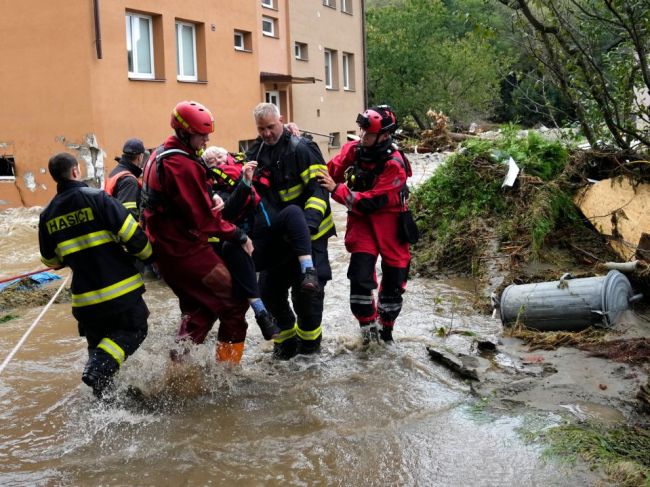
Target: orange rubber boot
(230, 352)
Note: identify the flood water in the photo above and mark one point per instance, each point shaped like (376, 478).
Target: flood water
(350, 416)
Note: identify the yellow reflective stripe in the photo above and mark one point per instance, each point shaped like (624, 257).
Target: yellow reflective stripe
(128, 228)
(316, 204)
(53, 262)
(324, 227)
(286, 334)
(309, 335)
(213, 239)
(145, 253)
(291, 193)
(113, 349)
(87, 241)
(312, 171)
(130, 205)
(109, 292)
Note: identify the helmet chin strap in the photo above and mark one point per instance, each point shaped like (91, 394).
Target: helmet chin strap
(367, 154)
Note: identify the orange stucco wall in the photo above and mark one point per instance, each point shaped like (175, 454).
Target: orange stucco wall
(55, 91)
(57, 95)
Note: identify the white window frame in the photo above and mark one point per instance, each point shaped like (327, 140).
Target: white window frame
(329, 69)
(299, 52)
(271, 21)
(273, 96)
(240, 35)
(330, 3)
(345, 6)
(268, 4)
(130, 17)
(180, 76)
(346, 70)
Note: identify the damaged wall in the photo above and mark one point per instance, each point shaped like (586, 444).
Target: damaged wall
(32, 184)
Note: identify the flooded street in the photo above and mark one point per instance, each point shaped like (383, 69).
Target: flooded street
(350, 416)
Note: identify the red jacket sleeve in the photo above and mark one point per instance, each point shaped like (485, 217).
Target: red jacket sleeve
(385, 193)
(344, 159)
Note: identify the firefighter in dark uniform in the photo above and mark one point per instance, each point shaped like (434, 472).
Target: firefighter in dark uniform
(286, 181)
(123, 182)
(369, 177)
(87, 230)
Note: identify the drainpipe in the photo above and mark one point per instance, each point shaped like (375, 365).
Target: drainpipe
(364, 55)
(98, 29)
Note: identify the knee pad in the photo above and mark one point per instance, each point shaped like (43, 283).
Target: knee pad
(99, 370)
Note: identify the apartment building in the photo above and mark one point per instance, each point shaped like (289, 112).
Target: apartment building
(85, 76)
(327, 44)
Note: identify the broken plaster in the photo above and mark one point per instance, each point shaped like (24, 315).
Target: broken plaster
(30, 182)
(93, 157)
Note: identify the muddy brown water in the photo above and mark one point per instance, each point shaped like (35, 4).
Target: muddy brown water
(351, 416)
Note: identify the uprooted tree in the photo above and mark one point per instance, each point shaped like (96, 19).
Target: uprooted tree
(597, 53)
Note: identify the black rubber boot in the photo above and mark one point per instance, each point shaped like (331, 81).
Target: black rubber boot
(310, 284)
(285, 350)
(386, 334)
(268, 325)
(308, 347)
(98, 372)
(369, 333)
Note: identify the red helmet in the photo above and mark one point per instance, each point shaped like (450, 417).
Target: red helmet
(193, 118)
(377, 120)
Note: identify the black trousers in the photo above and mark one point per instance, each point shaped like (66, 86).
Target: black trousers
(283, 276)
(127, 329)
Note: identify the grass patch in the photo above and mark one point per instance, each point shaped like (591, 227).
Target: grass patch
(623, 453)
(550, 340)
(5, 318)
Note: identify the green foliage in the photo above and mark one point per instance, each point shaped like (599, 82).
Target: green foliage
(6, 318)
(432, 54)
(463, 201)
(595, 52)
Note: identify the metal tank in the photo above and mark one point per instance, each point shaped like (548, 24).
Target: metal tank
(568, 304)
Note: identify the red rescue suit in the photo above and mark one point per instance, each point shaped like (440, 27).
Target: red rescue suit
(179, 219)
(371, 190)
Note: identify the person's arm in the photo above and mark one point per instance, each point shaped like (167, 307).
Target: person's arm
(191, 199)
(385, 191)
(311, 163)
(128, 192)
(47, 247)
(120, 222)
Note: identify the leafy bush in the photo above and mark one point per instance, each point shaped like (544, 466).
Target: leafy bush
(462, 206)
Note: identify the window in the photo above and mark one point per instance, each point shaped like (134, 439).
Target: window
(273, 97)
(243, 41)
(331, 70)
(301, 52)
(7, 168)
(330, 3)
(239, 41)
(328, 68)
(334, 140)
(244, 145)
(346, 6)
(348, 71)
(186, 52)
(268, 4)
(139, 46)
(268, 26)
